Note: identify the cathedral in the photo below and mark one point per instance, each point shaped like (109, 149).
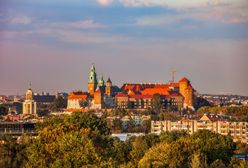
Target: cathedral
(174, 95)
(98, 96)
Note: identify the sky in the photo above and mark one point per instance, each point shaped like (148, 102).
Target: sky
(52, 44)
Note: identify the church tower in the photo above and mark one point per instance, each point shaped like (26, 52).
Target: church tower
(108, 89)
(101, 84)
(92, 83)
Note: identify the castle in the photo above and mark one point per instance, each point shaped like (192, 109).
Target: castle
(174, 95)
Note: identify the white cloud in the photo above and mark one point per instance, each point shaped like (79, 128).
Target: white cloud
(88, 38)
(82, 24)
(87, 24)
(104, 2)
(177, 3)
(225, 13)
(24, 20)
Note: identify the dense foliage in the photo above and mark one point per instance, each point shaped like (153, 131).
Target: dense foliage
(240, 113)
(58, 104)
(83, 140)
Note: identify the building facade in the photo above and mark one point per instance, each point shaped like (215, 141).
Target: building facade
(238, 130)
(176, 96)
(29, 105)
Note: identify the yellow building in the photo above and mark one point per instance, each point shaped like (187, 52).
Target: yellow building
(29, 105)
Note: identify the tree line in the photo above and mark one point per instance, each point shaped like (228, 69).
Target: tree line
(83, 140)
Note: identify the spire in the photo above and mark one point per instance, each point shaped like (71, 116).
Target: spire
(92, 75)
(30, 85)
(109, 81)
(92, 67)
(101, 81)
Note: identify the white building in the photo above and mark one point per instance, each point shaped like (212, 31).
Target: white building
(238, 130)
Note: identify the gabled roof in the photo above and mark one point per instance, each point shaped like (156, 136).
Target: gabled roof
(109, 81)
(121, 95)
(78, 96)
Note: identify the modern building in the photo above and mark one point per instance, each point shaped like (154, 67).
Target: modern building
(29, 105)
(215, 123)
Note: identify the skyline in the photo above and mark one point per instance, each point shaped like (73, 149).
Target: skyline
(53, 44)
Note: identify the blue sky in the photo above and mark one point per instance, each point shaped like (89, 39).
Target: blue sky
(53, 43)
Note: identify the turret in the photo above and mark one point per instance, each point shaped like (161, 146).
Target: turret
(92, 83)
(101, 82)
(108, 89)
(186, 90)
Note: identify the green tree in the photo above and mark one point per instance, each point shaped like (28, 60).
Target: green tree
(157, 156)
(139, 147)
(3, 110)
(241, 148)
(218, 164)
(84, 103)
(120, 151)
(157, 104)
(175, 154)
(213, 145)
(56, 148)
(172, 136)
(237, 163)
(12, 154)
(72, 140)
(58, 104)
(199, 160)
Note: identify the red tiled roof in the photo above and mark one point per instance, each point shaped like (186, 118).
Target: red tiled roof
(121, 95)
(137, 96)
(78, 95)
(174, 95)
(152, 91)
(174, 84)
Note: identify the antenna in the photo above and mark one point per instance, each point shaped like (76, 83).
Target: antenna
(173, 72)
(30, 85)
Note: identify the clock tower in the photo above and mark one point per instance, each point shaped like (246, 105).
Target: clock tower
(92, 82)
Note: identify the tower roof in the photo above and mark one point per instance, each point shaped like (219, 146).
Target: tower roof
(101, 81)
(109, 81)
(184, 79)
(92, 75)
(92, 67)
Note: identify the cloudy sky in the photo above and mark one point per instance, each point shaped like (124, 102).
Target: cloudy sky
(52, 43)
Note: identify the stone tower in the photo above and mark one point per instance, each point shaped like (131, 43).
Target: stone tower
(92, 83)
(186, 90)
(108, 89)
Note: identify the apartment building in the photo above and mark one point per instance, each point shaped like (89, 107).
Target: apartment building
(215, 123)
